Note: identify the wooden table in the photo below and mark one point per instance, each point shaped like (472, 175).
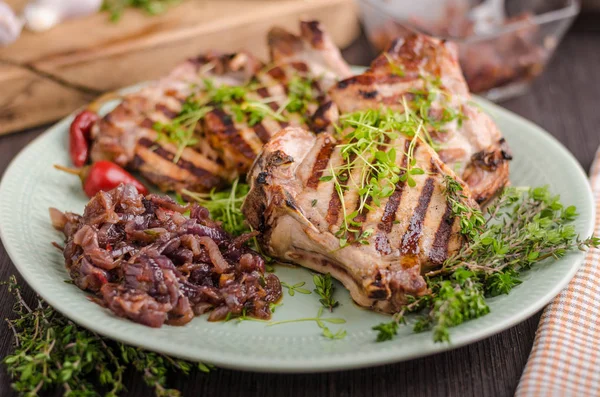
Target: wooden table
(565, 101)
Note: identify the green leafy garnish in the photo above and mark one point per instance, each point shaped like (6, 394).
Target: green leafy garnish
(325, 289)
(300, 93)
(153, 7)
(370, 163)
(53, 352)
(521, 228)
(471, 219)
(181, 130)
(386, 331)
(292, 289)
(320, 321)
(239, 101)
(225, 206)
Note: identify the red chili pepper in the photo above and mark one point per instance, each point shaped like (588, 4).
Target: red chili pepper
(79, 137)
(103, 175)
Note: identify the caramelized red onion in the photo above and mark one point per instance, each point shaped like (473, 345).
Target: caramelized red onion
(149, 263)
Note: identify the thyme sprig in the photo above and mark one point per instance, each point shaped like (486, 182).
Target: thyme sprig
(52, 352)
(324, 288)
(521, 228)
(471, 219)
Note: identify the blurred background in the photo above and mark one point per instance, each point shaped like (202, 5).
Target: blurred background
(57, 55)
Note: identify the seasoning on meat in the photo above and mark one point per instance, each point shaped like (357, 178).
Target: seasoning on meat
(146, 261)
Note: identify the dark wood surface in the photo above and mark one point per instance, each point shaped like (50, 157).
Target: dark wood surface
(565, 102)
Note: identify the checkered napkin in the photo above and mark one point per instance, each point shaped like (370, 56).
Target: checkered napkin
(565, 359)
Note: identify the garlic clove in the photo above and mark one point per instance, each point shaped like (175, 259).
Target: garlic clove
(39, 18)
(41, 15)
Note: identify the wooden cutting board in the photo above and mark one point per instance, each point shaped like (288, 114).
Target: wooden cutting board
(44, 76)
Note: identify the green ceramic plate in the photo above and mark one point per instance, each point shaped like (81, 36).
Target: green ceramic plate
(31, 185)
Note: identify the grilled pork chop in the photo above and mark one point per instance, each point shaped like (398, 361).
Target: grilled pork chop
(423, 73)
(300, 215)
(228, 139)
(126, 135)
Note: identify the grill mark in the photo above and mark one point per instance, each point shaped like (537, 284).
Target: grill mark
(259, 128)
(315, 84)
(335, 204)
(312, 30)
(264, 93)
(277, 73)
(410, 240)
(366, 79)
(164, 109)
(439, 249)
(362, 216)
(320, 119)
(300, 66)
(147, 123)
(283, 124)
(368, 94)
(320, 163)
(391, 207)
(261, 132)
(206, 177)
(231, 134)
(333, 210)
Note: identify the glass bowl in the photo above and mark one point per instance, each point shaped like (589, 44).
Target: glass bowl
(500, 55)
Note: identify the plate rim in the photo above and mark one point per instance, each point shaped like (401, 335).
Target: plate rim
(306, 365)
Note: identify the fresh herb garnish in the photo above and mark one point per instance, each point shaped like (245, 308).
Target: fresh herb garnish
(292, 289)
(300, 93)
(325, 289)
(341, 334)
(225, 206)
(181, 130)
(521, 228)
(369, 163)
(273, 306)
(471, 219)
(153, 7)
(386, 331)
(444, 112)
(320, 321)
(53, 352)
(240, 101)
(255, 111)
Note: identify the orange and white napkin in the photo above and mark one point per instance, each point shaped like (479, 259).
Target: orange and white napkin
(565, 358)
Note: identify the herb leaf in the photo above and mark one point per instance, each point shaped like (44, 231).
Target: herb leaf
(387, 331)
(325, 289)
(225, 206)
(521, 228)
(52, 352)
(292, 289)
